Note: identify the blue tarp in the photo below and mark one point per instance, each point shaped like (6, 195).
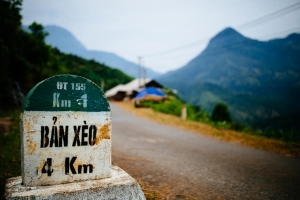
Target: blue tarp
(150, 92)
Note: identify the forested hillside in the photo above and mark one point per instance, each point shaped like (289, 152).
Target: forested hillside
(66, 42)
(260, 81)
(26, 59)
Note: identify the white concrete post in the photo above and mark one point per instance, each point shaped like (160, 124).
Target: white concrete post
(66, 145)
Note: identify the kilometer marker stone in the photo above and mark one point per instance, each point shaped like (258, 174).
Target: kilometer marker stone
(65, 132)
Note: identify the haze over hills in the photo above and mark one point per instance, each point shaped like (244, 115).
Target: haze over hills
(258, 80)
(66, 42)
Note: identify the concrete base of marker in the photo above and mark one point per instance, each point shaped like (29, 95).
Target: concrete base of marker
(119, 186)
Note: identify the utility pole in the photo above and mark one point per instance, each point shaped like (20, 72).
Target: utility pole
(102, 85)
(144, 73)
(139, 70)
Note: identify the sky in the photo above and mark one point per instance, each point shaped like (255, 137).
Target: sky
(166, 34)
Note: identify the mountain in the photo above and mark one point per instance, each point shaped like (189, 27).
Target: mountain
(67, 43)
(64, 41)
(258, 80)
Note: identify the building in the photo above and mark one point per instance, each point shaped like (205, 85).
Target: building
(129, 90)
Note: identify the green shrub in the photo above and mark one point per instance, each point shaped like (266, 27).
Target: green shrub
(172, 106)
(220, 113)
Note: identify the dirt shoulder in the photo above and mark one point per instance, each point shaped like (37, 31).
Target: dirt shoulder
(285, 148)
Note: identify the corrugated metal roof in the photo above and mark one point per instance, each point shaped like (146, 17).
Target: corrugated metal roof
(128, 88)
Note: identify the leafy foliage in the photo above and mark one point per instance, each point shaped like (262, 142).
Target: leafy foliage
(37, 30)
(286, 128)
(173, 106)
(10, 156)
(90, 69)
(220, 113)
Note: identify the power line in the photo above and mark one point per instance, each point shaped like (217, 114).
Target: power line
(177, 49)
(271, 16)
(252, 23)
(239, 45)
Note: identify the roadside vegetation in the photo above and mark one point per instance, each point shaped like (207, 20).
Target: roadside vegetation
(219, 118)
(10, 151)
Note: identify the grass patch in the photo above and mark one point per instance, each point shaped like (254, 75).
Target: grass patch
(10, 155)
(150, 195)
(174, 105)
(221, 119)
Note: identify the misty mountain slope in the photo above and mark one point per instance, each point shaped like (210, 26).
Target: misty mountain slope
(256, 79)
(67, 43)
(124, 65)
(242, 65)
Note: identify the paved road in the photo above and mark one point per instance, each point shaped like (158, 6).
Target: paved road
(176, 161)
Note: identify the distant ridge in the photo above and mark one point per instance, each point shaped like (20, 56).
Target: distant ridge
(227, 37)
(258, 80)
(66, 42)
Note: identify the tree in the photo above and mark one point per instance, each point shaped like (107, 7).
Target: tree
(10, 22)
(23, 56)
(37, 30)
(221, 113)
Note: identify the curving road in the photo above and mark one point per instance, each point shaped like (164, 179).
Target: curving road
(174, 161)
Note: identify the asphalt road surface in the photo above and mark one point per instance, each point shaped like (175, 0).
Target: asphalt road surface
(175, 161)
